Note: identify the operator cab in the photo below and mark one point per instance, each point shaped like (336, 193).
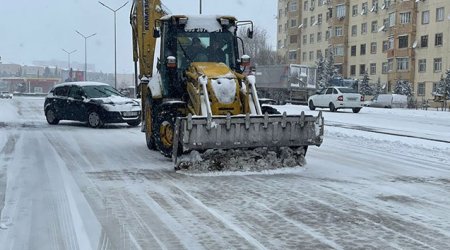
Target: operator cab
(187, 39)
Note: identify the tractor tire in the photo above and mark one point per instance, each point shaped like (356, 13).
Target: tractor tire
(165, 131)
(149, 127)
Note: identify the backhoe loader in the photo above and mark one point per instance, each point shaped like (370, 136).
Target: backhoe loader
(198, 106)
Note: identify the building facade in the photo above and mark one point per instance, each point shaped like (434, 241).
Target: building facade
(390, 39)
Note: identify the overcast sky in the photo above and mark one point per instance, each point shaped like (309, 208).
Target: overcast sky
(39, 30)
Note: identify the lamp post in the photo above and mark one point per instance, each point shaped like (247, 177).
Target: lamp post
(68, 56)
(85, 52)
(200, 7)
(115, 39)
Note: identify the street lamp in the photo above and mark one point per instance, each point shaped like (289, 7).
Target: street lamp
(85, 52)
(115, 39)
(68, 56)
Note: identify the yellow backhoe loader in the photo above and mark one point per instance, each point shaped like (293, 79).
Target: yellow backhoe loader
(198, 106)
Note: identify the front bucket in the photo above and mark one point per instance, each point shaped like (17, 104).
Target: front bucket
(246, 131)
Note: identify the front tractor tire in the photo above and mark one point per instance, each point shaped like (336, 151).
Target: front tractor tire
(165, 131)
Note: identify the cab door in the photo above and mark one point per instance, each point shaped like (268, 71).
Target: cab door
(59, 102)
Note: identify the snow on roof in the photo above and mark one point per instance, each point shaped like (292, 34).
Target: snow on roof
(82, 83)
(195, 22)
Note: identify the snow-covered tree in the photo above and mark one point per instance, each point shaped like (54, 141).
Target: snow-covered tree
(443, 88)
(364, 88)
(403, 87)
(328, 71)
(378, 88)
(320, 63)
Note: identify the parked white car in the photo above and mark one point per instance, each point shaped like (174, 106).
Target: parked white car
(6, 94)
(336, 98)
(389, 101)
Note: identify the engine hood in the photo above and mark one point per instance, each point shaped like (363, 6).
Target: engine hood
(212, 70)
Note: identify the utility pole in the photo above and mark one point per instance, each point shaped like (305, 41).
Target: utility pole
(200, 7)
(85, 52)
(115, 39)
(68, 57)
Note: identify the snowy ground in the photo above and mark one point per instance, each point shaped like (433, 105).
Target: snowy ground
(381, 180)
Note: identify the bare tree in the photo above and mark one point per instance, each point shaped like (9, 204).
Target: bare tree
(257, 47)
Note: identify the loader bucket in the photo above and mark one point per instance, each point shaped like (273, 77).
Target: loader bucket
(246, 132)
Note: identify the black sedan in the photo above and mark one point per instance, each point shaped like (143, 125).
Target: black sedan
(92, 102)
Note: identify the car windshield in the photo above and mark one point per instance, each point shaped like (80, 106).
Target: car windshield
(347, 90)
(99, 91)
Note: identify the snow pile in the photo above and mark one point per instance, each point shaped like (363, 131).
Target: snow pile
(233, 160)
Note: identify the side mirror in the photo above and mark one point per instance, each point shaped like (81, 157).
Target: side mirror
(156, 33)
(250, 33)
(245, 60)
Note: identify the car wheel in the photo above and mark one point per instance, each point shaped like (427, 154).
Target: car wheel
(332, 107)
(94, 119)
(165, 131)
(356, 110)
(134, 123)
(311, 105)
(50, 115)
(269, 110)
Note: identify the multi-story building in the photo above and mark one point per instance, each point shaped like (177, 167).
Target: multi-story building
(390, 39)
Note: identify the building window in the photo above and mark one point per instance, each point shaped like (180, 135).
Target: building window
(304, 56)
(421, 89)
(311, 38)
(340, 11)
(353, 50)
(354, 10)
(313, 20)
(311, 55)
(363, 28)
(339, 50)
(354, 30)
(319, 54)
(362, 69)
(384, 68)
(403, 42)
(279, 28)
(364, 7)
(305, 39)
(385, 46)
(352, 70)
(362, 50)
(338, 31)
(440, 14)
(374, 27)
(435, 85)
(373, 47)
(426, 17)
(305, 5)
(293, 23)
(402, 63)
(319, 37)
(437, 67)
(279, 44)
(405, 17)
(392, 19)
(293, 6)
(319, 19)
(373, 68)
(292, 55)
(390, 63)
(391, 43)
(438, 39)
(293, 39)
(422, 65)
(305, 22)
(424, 41)
(327, 35)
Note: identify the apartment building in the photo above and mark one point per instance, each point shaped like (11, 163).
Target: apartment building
(390, 39)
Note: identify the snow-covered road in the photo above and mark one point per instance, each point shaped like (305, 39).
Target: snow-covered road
(72, 187)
